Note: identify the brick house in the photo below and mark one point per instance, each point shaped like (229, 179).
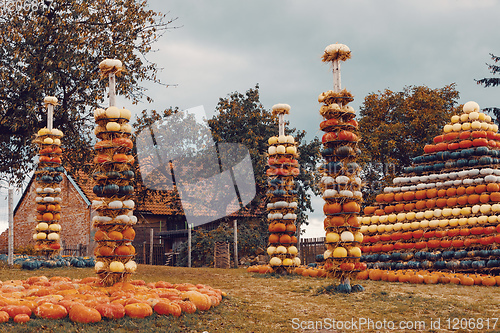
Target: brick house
(75, 217)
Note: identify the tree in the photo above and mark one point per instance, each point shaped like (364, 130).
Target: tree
(492, 82)
(242, 119)
(395, 126)
(54, 48)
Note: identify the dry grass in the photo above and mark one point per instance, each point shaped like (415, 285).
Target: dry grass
(263, 303)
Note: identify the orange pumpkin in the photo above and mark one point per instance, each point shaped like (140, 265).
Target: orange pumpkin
(389, 209)
(186, 306)
(451, 202)
(51, 311)
(409, 196)
(492, 187)
(351, 207)
(167, 308)
(14, 310)
(420, 195)
(201, 301)
(444, 279)
(484, 198)
(83, 314)
(495, 196)
(4, 317)
(473, 199)
(489, 281)
(369, 210)
(21, 318)
(432, 193)
(363, 275)
(431, 203)
(399, 207)
(138, 310)
(450, 192)
(375, 274)
(467, 281)
(409, 207)
(480, 189)
(389, 197)
(421, 204)
(111, 310)
(470, 190)
(463, 200)
(129, 233)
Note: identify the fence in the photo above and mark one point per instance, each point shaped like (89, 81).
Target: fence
(78, 251)
(310, 248)
(143, 256)
(221, 255)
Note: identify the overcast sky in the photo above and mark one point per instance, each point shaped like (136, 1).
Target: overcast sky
(224, 46)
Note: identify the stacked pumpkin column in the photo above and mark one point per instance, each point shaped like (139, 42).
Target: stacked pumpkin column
(48, 193)
(114, 176)
(443, 213)
(282, 194)
(340, 182)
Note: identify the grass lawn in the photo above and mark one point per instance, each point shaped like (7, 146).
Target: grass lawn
(266, 304)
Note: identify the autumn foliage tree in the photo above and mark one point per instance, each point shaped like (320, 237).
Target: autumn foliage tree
(492, 82)
(395, 126)
(55, 50)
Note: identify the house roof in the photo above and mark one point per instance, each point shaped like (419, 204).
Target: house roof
(70, 180)
(163, 202)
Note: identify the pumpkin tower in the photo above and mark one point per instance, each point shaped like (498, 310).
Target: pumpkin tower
(340, 182)
(47, 177)
(113, 175)
(282, 193)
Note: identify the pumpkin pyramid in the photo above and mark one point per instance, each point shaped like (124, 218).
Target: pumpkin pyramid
(443, 214)
(282, 196)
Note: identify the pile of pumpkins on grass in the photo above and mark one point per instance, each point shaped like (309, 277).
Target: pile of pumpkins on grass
(443, 214)
(88, 301)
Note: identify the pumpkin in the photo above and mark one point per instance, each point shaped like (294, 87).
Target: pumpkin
(21, 318)
(4, 317)
(14, 310)
(201, 301)
(51, 311)
(173, 308)
(138, 310)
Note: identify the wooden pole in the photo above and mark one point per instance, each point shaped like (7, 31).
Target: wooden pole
(235, 226)
(189, 245)
(151, 236)
(336, 76)
(112, 90)
(281, 122)
(50, 116)
(10, 258)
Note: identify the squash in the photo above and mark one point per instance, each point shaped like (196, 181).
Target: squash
(138, 310)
